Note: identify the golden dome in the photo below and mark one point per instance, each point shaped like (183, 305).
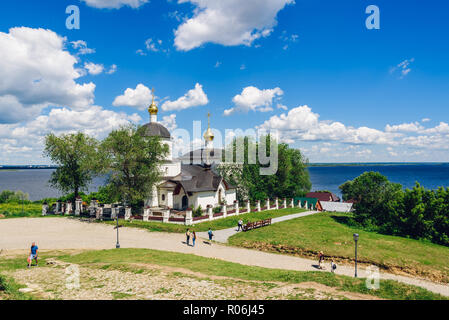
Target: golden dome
(209, 135)
(152, 109)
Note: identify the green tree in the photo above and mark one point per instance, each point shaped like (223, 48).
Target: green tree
(76, 156)
(132, 161)
(290, 180)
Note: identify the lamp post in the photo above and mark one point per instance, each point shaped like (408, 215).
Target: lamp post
(356, 238)
(117, 246)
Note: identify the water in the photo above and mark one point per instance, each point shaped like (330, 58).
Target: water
(430, 176)
(35, 182)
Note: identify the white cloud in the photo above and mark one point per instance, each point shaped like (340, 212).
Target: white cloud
(115, 4)
(36, 71)
(405, 127)
(25, 142)
(139, 98)
(169, 122)
(94, 69)
(425, 120)
(228, 22)
(112, 69)
(254, 99)
(193, 98)
(82, 48)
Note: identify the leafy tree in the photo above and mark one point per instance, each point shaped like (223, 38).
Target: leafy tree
(77, 160)
(290, 180)
(133, 161)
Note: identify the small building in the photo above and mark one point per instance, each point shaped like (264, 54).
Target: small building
(323, 196)
(331, 206)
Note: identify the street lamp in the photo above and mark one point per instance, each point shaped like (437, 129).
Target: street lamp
(117, 246)
(356, 238)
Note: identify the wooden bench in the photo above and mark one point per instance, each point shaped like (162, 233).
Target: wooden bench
(255, 225)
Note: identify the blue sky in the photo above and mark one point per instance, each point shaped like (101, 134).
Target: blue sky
(310, 69)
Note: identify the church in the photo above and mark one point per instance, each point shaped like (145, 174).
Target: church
(190, 181)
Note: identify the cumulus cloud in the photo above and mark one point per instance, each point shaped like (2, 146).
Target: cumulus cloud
(115, 4)
(169, 122)
(228, 22)
(94, 69)
(404, 127)
(193, 98)
(139, 98)
(81, 47)
(36, 71)
(254, 99)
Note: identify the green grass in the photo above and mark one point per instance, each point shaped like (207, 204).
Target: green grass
(204, 226)
(125, 260)
(14, 210)
(9, 290)
(328, 232)
(214, 267)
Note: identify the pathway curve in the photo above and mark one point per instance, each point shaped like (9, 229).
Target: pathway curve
(223, 235)
(60, 233)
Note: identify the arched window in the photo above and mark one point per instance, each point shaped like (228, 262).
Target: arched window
(163, 197)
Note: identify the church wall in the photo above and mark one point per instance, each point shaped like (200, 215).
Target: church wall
(171, 169)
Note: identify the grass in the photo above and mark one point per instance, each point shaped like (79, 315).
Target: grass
(9, 290)
(328, 232)
(214, 267)
(126, 260)
(204, 226)
(14, 210)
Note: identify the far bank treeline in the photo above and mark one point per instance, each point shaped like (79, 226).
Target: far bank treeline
(129, 159)
(386, 207)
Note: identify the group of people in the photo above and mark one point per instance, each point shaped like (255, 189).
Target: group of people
(193, 236)
(321, 259)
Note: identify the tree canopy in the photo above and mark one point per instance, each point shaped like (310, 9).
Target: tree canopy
(132, 161)
(77, 159)
(290, 180)
(417, 213)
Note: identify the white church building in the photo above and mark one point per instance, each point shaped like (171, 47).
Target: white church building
(187, 183)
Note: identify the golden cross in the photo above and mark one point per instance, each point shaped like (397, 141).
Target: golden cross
(208, 119)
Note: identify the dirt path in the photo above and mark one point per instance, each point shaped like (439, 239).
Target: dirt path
(58, 233)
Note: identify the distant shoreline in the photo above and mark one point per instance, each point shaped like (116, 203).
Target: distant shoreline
(316, 164)
(374, 164)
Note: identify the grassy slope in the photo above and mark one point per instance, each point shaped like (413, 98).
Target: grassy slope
(125, 258)
(308, 235)
(214, 225)
(388, 290)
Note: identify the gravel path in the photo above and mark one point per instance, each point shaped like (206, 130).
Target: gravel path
(60, 233)
(223, 235)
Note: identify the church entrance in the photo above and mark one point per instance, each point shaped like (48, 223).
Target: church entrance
(185, 202)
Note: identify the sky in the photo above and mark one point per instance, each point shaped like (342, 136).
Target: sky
(311, 70)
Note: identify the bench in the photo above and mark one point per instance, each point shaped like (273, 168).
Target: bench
(255, 225)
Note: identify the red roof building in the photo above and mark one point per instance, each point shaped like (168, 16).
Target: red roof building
(323, 196)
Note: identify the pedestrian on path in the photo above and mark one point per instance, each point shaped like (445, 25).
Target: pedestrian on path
(320, 259)
(333, 266)
(240, 225)
(193, 238)
(188, 237)
(210, 236)
(33, 254)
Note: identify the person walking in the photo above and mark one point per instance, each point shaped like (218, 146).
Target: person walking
(240, 225)
(320, 259)
(333, 266)
(188, 237)
(193, 238)
(210, 236)
(33, 254)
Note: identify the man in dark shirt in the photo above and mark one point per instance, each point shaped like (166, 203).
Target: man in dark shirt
(33, 254)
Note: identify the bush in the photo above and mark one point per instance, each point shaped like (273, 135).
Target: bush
(198, 212)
